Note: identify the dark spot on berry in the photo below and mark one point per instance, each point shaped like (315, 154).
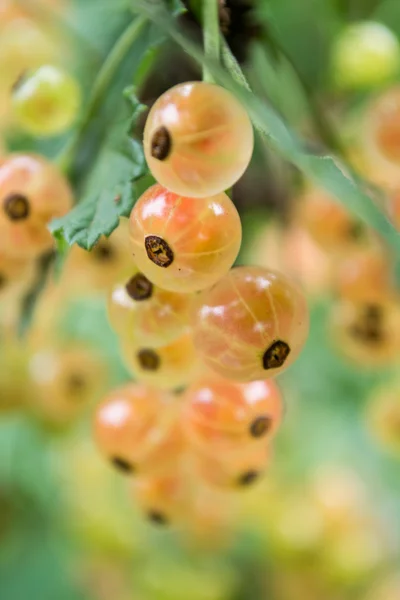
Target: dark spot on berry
(275, 355)
(158, 251)
(356, 230)
(156, 517)
(3, 281)
(16, 207)
(148, 359)
(248, 478)
(369, 329)
(75, 383)
(139, 287)
(122, 465)
(103, 252)
(260, 426)
(161, 144)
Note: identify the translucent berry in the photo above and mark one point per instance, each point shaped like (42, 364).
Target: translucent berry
(184, 244)
(239, 470)
(329, 224)
(136, 429)
(364, 275)
(251, 325)
(46, 101)
(16, 274)
(167, 367)
(64, 383)
(365, 54)
(367, 333)
(98, 269)
(198, 139)
(32, 193)
(145, 313)
(161, 497)
(221, 415)
(383, 417)
(24, 45)
(381, 137)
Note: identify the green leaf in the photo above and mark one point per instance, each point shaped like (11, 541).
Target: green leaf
(113, 191)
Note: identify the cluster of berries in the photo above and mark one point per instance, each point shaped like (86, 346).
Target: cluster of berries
(202, 340)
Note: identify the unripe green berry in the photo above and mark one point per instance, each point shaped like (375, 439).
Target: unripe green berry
(46, 101)
(365, 55)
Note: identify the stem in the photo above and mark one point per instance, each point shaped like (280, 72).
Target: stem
(100, 89)
(232, 65)
(211, 35)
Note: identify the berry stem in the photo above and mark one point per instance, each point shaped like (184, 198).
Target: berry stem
(100, 89)
(211, 35)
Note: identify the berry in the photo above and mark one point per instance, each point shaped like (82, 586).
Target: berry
(108, 261)
(136, 429)
(23, 45)
(364, 276)
(365, 55)
(32, 193)
(239, 470)
(64, 382)
(328, 223)
(220, 415)
(251, 325)
(161, 497)
(167, 367)
(46, 101)
(198, 139)
(367, 333)
(143, 312)
(381, 137)
(16, 275)
(181, 244)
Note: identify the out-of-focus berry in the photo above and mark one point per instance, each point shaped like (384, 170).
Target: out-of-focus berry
(46, 101)
(365, 55)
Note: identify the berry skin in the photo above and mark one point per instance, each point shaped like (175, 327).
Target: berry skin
(328, 223)
(368, 334)
(136, 430)
(364, 276)
(365, 55)
(181, 244)
(167, 367)
(239, 470)
(198, 139)
(220, 416)
(32, 193)
(251, 325)
(141, 311)
(64, 382)
(108, 261)
(381, 137)
(46, 101)
(161, 497)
